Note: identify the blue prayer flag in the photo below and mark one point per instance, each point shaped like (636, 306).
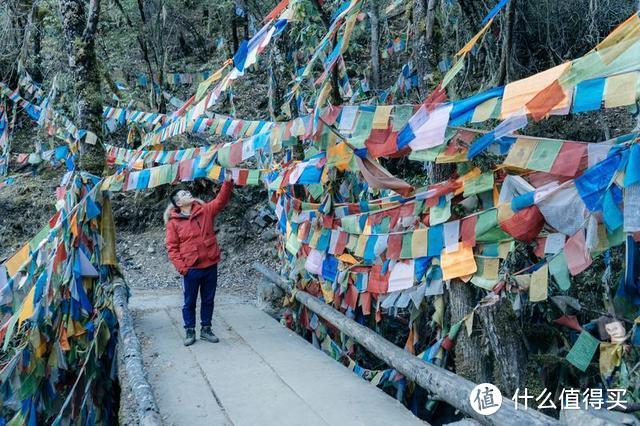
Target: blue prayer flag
(588, 95)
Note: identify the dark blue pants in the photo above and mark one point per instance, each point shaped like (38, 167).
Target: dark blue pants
(205, 280)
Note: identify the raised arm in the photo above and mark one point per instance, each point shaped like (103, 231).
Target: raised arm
(173, 249)
(216, 205)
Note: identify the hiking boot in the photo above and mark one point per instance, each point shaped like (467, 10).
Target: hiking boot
(207, 334)
(190, 338)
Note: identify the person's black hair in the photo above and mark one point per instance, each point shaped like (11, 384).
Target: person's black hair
(173, 195)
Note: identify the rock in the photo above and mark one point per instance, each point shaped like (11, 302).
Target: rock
(151, 250)
(596, 418)
(269, 298)
(269, 234)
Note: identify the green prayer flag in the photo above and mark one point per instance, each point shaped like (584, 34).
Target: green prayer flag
(544, 155)
(310, 152)
(583, 350)
(438, 215)
(406, 246)
(316, 190)
(254, 177)
(428, 155)
(362, 129)
(401, 115)
(293, 245)
(275, 184)
(41, 235)
(560, 271)
(453, 71)
(224, 155)
(352, 242)
(616, 237)
(245, 127)
(383, 226)
(487, 229)
(478, 184)
(350, 224)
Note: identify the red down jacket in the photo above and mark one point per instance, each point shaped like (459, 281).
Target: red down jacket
(191, 241)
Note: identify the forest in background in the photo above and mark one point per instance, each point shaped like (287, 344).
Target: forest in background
(151, 55)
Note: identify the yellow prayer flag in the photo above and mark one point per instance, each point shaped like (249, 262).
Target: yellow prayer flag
(491, 267)
(26, 311)
(538, 288)
(458, 263)
(467, 47)
(361, 245)
(621, 39)
(252, 128)
(458, 157)
(504, 248)
(474, 173)
(485, 111)
(419, 242)
(214, 173)
(504, 212)
(610, 357)
(621, 90)
(339, 155)
(381, 116)
(16, 261)
(313, 243)
(202, 87)
(327, 292)
(347, 258)
(520, 152)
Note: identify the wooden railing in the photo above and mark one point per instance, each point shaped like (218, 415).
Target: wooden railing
(442, 384)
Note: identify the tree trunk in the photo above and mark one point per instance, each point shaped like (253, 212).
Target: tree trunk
(504, 73)
(504, 333)
(473, 361)
(36, 72)
(374, 19)
(234, 33)
(79, 26)
(423, 21)
(335, 88)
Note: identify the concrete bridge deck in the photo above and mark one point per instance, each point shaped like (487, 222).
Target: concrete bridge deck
(259, 374)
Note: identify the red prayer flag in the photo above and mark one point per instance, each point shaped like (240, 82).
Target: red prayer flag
(568, 159)
(394, 246)
(378, 283)
(568, 321)
(548, 98)
(468, 231)
(576, 253)
(524, 225)
(243, 175)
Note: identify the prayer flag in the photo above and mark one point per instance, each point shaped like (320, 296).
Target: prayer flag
(588, 95)
(457, 264)
(576, 253)
(539, 284)
(583, 350)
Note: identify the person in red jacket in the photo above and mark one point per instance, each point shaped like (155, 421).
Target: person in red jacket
(193, 250)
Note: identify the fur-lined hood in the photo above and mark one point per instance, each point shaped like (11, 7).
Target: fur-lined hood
(171, 208)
